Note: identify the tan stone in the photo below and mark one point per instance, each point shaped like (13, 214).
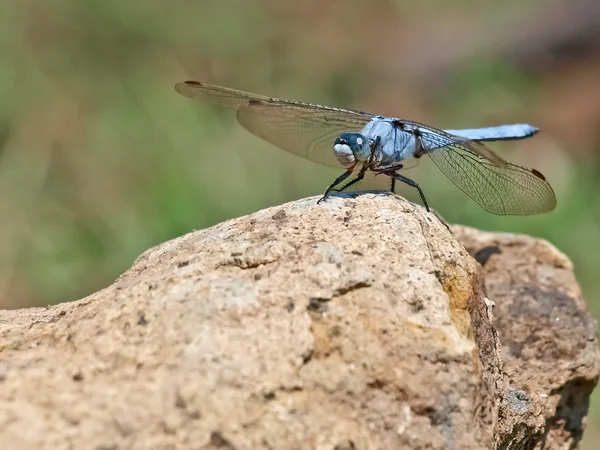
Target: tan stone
(360, 323)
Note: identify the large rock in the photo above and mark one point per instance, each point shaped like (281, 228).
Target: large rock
(549, 347)
(360, 323)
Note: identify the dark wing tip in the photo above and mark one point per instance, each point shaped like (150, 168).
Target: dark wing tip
(538, 174)
(180, 86)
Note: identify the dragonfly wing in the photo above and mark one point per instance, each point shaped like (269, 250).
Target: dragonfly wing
(304, 129)
(496, 185)
(502, 190)
(432, 138)
(217, 95)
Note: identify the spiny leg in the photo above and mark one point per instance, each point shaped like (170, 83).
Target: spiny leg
(337, 181)
(387, 169)
(393, 168)
(347, 185)
(358, 178)
(410, 182)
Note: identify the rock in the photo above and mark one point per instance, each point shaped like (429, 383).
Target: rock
(360, 323)
(550, 353)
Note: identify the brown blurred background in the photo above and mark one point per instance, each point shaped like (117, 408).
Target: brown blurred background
(100, 159)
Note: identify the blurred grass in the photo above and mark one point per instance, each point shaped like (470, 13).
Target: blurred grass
(100, 159)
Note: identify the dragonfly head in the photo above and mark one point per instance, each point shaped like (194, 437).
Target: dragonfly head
(350, 148)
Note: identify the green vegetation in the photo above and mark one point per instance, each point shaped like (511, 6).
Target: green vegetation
(100, 159)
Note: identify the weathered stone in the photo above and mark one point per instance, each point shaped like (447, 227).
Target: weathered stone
(549, 347)
(360, 323)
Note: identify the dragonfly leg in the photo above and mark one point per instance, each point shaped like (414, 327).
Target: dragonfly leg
(337, 181)
(410, 182)
(358, 178)
(390, 168)
(393, 168)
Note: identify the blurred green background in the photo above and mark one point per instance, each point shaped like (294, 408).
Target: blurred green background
(100, 159)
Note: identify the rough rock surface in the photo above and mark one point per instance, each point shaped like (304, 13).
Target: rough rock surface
(549, 347)
(361, 323)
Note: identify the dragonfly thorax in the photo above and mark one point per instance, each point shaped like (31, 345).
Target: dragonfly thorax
(350, 148)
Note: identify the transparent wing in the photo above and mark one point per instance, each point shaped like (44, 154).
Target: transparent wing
(217, 95)
(432, 138)
(499, 189)
(303, 129)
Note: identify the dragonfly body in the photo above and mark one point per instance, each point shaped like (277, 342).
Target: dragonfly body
(395, 145)
(400, 143)
(498, 133)
(359, 141)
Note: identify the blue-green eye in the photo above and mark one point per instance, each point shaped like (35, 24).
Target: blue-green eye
(358, 144)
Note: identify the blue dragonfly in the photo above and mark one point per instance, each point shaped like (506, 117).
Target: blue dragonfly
(361, 142)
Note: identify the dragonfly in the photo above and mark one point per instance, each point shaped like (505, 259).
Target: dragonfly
(359, 142)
